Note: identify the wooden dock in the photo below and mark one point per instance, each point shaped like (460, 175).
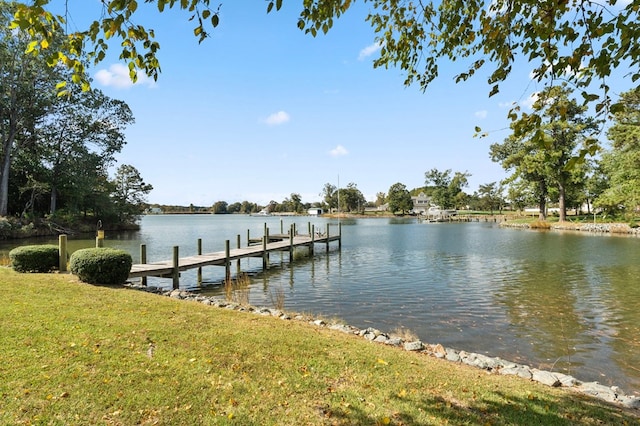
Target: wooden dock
(256, 247)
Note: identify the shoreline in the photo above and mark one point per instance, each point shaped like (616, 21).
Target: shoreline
(491, 365)
(594, 228)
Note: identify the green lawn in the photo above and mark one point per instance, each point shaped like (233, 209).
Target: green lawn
(76, 354)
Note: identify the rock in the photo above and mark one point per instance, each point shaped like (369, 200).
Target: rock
(598, 390)
(546, 378)
(394, 341)
(319, 323)
(413, 346)
(630, 401)
(176, 294)
(381, 339)
(567, 381)
(439, 350)
(519, 371)
(342, 327)
(369, 336)
(452, 355)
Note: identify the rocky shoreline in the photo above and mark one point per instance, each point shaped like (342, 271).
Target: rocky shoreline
(597, 228)
(611, 394)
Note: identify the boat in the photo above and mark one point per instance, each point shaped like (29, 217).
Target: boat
(436, 214)
(261, 213)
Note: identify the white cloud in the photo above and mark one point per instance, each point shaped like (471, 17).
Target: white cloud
(369, 50)
(338, 151)
(481, 114)
(507, 104)
(277, 118)
(531, 100)
(118, 76)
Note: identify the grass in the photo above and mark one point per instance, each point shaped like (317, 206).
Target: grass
(76, 354)
(237, 290)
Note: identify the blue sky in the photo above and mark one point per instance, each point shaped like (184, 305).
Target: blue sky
(260, 110)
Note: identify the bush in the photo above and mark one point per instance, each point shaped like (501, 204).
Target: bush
(42, 258)
(540, 224)
(101, 265)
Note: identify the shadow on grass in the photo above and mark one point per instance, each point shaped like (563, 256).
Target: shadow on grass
(571, 409)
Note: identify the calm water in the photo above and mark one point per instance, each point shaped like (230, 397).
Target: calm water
(565, 302)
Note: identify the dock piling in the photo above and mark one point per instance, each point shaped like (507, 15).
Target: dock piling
(62, 253)
(176, 268)
(199, 277)
(143, 260)
(227, 263)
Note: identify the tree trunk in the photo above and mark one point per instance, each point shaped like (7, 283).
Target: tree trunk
(542, 201)
(54, 200)
(562, 202)
(4, 174)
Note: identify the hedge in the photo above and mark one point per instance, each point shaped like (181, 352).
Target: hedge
(101, 265)
(41, 258)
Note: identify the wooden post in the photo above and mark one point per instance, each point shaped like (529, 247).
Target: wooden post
(143, 260)
(176, 270)
(99, 235)
(291, 244)
(327, 236)
(340, 236)
(265, 257)
(227, 262)
(199, 276)
(309, 226)
(312, 232)
(100, 240)
(248, 238)
(238, 264)
(62, 253)
(281, 227)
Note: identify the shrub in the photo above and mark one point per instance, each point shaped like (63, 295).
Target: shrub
(101, 265)
(540, 224)
(42, 258)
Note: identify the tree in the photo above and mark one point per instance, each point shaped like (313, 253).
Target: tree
(234, 207)
(446, 191)
(24, 99)
(565, 129)
(490, 196)
(621, 164)
(581, 42)
(399, 198)
(81, 124)
(294, 204)
(219, 207)
(329, 195)
(351, 199)
(129, 193)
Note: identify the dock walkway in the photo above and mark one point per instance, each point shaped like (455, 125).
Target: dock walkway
(256, 248)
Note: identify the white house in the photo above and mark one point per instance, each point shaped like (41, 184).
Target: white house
(421, 203)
